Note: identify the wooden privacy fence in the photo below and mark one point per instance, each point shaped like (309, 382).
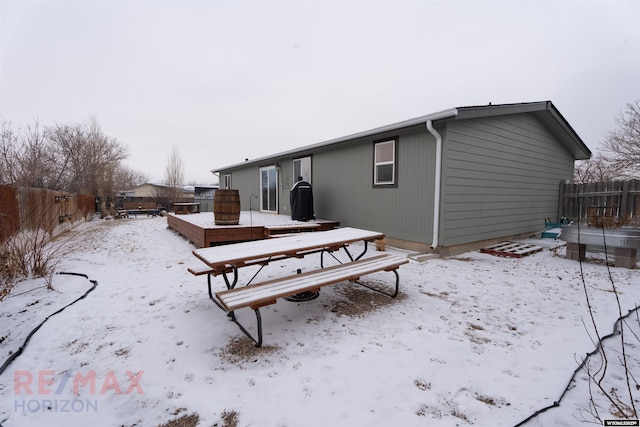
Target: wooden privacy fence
(607, 204)
(27, 208)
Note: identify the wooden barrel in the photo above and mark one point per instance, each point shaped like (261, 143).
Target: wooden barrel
(226, 207)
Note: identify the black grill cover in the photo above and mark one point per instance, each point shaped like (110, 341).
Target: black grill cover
(301, 200)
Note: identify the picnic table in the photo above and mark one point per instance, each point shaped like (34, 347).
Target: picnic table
(226, 260)
(186, 208)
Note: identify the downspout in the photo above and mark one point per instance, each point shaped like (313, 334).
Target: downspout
(438, 171)
(438, 179)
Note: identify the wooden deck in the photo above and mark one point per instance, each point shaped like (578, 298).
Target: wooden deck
(202, 231)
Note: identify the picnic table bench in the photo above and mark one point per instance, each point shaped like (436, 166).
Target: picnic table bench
(147, 212)
(228, 258)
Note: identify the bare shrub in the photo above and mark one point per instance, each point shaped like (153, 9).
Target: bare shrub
(32, 253)
(606, 384)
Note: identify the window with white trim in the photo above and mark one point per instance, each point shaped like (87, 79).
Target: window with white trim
(384, 159)
(302, 168)
(227, 181)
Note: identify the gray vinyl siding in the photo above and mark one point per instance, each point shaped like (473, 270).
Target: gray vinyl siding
(343, 187)
(247, 182)
(342, 181)
(501, 177)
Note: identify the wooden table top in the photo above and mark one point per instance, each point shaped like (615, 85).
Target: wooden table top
(236, 254)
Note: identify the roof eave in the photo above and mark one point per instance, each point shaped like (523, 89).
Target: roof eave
(577, 147)
(379, 130)
(546, 111)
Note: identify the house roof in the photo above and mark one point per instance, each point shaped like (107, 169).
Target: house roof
(545, 111)
(184, 188)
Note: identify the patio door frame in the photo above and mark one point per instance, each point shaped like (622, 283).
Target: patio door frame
(269, 189)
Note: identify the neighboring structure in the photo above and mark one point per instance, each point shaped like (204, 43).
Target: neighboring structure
(440, 182)
(160, 195)
(204, 196)
(150, 190)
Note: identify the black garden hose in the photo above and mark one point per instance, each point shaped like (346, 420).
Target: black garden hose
(616, 331)
(11, 358)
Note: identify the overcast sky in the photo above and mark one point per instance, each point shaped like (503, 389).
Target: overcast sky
(227, 80)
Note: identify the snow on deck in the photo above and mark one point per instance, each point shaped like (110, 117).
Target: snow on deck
(247, 219)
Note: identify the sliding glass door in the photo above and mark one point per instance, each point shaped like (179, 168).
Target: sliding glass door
(269, 189)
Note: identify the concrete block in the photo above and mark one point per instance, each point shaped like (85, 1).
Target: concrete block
(576, 251)
(625, 257)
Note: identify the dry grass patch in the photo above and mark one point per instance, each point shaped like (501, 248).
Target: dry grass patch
(241, 350)
(360, 301)
(230, 419)
(191, 420)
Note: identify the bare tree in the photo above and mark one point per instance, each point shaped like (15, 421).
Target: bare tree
(596, 169)
(85, 152)
(622, 145)
(68, 141)
(608, 387)
(127, 178)
(174, 174)
(73, 158)
(70, 157)
(27, 156)
(8, 153)
(102, 155)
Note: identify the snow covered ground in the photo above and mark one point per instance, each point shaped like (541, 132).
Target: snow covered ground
(472, 340)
